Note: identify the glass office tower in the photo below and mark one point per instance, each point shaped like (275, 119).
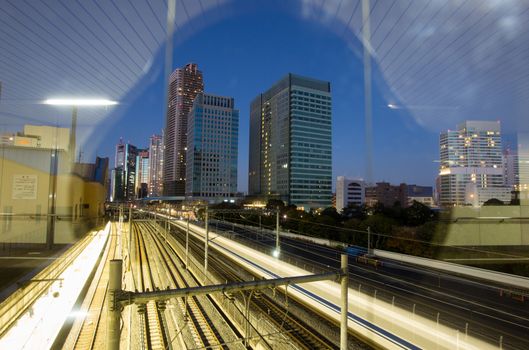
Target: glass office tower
(291, 143)
(212, 140)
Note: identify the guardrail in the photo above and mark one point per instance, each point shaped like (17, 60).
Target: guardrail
(475, 272)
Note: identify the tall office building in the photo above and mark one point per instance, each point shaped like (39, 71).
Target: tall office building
(124, 182)
(511, 168)
(349, 191)
(212, 140)
(156, 156)
(142, 173)
(184, 84)
(471, 163)
(290, 142)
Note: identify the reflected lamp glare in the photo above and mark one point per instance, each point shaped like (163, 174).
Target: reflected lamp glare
(275, 253)
(79, 102)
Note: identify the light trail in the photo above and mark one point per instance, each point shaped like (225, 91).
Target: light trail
(40, 325)
(380, 322)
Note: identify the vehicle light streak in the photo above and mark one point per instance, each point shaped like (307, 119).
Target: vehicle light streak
(40, 325)
(383, 323)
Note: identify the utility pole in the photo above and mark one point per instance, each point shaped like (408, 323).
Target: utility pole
(206, 246)
(277, 231)
(369, 240)
(187, 243)
(130, 234)
(260, 227)
(345, 306)
(114, 307)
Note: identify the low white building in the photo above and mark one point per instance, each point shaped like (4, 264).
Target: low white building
(476, 196)
(349, 191)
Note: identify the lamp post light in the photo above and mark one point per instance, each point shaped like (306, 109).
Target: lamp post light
(276, 250)
(54, 163)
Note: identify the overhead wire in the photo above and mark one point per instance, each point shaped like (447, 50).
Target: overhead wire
(417, 64)
(57, 48)
(471, 45)
(401, 49)
(444, 58)
(135, 72)
(66, 64)
(158, 43)
(148, 47)
(89, 53)
(126, 37)
(118, 67)
(391, 31)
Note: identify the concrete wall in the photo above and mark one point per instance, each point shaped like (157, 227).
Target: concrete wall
(23, 220)
(485, 227)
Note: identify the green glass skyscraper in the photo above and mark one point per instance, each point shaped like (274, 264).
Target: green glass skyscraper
(291, 143)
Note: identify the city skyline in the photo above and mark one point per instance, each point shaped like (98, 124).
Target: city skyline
(308, 39)
(400, 141)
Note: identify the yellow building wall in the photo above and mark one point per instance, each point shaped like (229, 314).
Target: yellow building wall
(77, 201)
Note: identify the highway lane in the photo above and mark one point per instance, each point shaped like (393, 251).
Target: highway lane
(467, 305)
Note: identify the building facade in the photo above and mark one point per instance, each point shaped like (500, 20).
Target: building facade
(470, 155)
(142, 173)
(421, 194)
(184, 84)
(212, 144)
(156, 157)
(349, 191)
(291, 143)
(124, 182)
(386, 194)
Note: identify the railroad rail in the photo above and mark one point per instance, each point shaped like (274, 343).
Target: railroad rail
(90, 333)
(302, 335)
(21, 300)
(152, 333)
(204, 332)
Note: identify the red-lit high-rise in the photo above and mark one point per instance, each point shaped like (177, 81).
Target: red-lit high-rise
(184, 84)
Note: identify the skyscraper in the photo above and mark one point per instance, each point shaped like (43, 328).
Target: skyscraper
(511, 168)
(156, 156)
(213, 128)
(290, 142)
(184, 84)
(124, 182)
(142, 173)
(470, 162)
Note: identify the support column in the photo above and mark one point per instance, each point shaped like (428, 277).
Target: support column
(187, 243)
(114, 307)
(206, 246)
(130, 236)
(369, 241)
(277, 231)
(344, 307)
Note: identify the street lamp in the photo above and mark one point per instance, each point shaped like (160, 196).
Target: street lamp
(74, 103)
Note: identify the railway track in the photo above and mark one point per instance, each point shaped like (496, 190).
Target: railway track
(302, 335)
(21, 300)
(202, 329)
(91, 334)
(152, 335)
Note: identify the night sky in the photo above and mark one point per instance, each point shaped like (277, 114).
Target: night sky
(244, 55)
(437, 63)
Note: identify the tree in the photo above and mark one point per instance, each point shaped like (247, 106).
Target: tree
(417, 214)
(332, 213)
(275, 203)
(493, 201)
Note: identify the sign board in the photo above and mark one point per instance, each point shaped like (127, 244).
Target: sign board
(24, 186)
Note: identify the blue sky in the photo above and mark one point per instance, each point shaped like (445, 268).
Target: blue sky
(439, 62)
(245, 54)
